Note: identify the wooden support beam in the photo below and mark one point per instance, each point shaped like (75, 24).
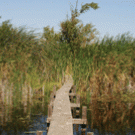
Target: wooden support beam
(72, 105)
(74, 121)
(79, 121)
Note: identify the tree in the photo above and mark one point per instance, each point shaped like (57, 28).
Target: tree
(75, 36)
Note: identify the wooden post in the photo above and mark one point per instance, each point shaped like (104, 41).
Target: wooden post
(84, 112)
(49, 111)
(90, 133)
(39, 132)
(84, 116)
(78, 99)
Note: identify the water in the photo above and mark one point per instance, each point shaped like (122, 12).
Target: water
(39, 123)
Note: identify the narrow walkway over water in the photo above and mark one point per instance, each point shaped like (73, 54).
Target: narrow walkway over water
(61, 122)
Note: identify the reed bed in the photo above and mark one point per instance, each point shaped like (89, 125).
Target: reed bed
(103, 73)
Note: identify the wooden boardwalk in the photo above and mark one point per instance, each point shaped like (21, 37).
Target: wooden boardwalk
(61, 120)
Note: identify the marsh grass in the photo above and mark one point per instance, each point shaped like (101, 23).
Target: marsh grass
(26, 68)
(103, 73)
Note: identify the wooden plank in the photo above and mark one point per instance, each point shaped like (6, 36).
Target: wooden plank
(79, 121)
(74, 121)
(71, 104)
(61, 120)
(72, 94)
(74, 105)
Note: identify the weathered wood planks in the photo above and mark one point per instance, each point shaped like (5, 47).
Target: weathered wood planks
(61, 120)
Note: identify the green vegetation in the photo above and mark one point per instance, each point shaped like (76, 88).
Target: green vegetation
(101, 70)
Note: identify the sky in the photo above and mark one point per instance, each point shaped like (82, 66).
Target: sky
(113, 17)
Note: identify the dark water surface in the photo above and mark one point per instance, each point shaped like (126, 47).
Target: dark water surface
(39, 123)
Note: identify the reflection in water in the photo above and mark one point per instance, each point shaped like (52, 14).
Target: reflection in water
(38, 122)
(112, 116)
(104, 118)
